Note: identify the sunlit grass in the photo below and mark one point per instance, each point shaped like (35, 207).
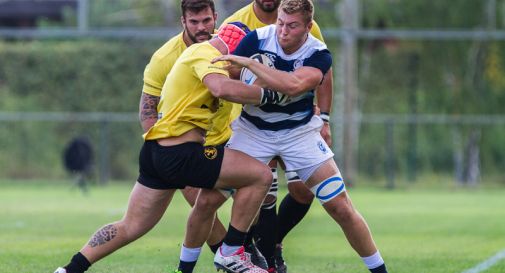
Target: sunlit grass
(424, 230)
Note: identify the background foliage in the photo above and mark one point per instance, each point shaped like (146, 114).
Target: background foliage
(395, 76)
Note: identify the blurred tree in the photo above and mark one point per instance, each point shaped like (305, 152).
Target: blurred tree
(127, 13)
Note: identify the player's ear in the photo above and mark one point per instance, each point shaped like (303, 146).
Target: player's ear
(183, 22)
(309, 25)
(215, 16)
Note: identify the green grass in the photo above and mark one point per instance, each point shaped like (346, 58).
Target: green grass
(43, 225)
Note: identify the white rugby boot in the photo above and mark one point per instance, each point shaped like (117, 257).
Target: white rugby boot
(238, 262)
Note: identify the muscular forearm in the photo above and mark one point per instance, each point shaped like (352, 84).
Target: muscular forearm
(235, 91)
(148, 111)
(278, 80)
(232, 90)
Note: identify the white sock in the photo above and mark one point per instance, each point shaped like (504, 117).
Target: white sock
(190, 254)
(373, 261)
(227, 250)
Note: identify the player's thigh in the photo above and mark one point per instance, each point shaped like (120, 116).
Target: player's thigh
(324, 171)
(240, 170)
(300, 192)
(146, 205)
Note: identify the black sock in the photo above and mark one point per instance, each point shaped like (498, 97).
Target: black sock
(215, 247)
(186, 267)
(380, 269)
(266, 232)
(291, 212)
(78, 264)
(234, 237)
(250, 235)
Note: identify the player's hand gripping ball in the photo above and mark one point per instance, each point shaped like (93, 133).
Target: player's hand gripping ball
(246, 75)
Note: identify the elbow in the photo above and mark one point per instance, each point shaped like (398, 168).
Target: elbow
(298, 87)
(217, 92)
(294, 87)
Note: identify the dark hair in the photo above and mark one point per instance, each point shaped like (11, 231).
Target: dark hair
(196, 6)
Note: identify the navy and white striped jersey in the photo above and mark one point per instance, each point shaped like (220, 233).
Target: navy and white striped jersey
(299, 110)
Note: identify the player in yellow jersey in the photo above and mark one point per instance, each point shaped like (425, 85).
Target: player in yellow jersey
(174, 156)
(271, 227)
(199, 21)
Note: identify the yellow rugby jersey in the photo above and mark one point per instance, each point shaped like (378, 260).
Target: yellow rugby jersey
(160, 65)
(247, 17)
(185, 102)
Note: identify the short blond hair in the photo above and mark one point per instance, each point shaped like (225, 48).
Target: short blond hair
(306, 7)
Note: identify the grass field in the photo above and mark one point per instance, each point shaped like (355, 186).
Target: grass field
(43, 225)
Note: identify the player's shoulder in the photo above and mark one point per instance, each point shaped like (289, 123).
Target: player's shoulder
(198, 47)
(240, 15)
(314, 43)
(171, 49)
(199, 50)
(266, 32)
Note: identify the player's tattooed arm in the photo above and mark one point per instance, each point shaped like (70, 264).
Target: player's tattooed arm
(103, 235)
(148, 110)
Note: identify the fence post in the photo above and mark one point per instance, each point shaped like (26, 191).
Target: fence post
(390, 154)
(104, 152)
(349, 69)
(413, 68)
(82, 15)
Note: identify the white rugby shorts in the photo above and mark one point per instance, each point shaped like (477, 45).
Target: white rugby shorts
(300, 148)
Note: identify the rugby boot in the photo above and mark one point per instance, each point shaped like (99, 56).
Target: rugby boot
(238, 262)
(256, 257)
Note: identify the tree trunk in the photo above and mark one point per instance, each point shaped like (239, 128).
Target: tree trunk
(473, 158)
(459, 175)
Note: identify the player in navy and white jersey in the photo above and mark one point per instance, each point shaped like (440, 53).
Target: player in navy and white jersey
(290, 129)
(273, 225)
(299, 109)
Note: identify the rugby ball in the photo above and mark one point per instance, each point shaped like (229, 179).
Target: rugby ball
(246, 75)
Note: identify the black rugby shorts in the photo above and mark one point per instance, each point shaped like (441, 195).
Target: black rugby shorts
(175, 167)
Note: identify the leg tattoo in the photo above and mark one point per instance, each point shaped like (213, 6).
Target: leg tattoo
(103, 235)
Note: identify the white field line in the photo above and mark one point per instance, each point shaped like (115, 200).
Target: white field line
(485, 265)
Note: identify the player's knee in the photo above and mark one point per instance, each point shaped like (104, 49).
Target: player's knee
(130, 230)
(266, 177)
(343, 213)
(207, 203)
